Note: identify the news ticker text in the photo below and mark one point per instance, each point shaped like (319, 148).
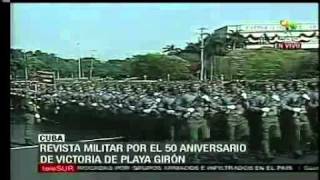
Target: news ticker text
(55, 155)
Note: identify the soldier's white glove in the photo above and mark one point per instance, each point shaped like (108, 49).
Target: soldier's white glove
(94, 104)
(244, 95)
(37, 116)
(132, 108)
(38, 107)
(231, 107)
(276, 97)
(73, 100)
(265, 109)
(106, 106)
(64, 102)
(305, 96)
(191, 110)
(216, 97)
(158, 100)
(264, 114)
(57, 109)
(81, 104)
(147, 110)
(120, 105)
(206, 98)
(186, 115)
(170, 111)
(296, 109)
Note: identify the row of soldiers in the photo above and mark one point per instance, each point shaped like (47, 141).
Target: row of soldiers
(272, 113)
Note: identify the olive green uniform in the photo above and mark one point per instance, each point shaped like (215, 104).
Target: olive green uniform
(301, 134)
(235, 114)
(29, 109)
(267, 106)
(193, 114)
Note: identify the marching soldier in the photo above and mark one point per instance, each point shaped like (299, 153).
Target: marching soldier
(235, 105)
(313, 110)
(234, 109)
(30, 113)
(192, 113)
(297, 125)
(267, 106)
(181, 106)
(166, 108)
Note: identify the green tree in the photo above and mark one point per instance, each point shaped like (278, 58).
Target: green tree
(236, 39)
(157, 66)
(171, 50)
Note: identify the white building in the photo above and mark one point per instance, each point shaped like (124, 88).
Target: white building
(305, 36)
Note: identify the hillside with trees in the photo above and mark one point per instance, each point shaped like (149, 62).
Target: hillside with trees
(226, 58)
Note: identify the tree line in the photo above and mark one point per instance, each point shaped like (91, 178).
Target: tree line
(222, 57)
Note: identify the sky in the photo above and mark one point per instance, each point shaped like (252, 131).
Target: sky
(121, 30)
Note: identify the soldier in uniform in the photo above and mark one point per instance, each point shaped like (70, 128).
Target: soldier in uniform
(29, 115)
(168, 113)
(313, 110)
(190, 105)
(310, 100)
(267, 106)
(210, 103)
(146, 108)
(298, 129)
(234, 107)
(235, 104)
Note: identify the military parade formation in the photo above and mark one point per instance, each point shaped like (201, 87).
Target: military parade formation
(272, 117)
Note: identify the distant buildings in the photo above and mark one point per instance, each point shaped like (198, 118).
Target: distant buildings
(305, 36)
